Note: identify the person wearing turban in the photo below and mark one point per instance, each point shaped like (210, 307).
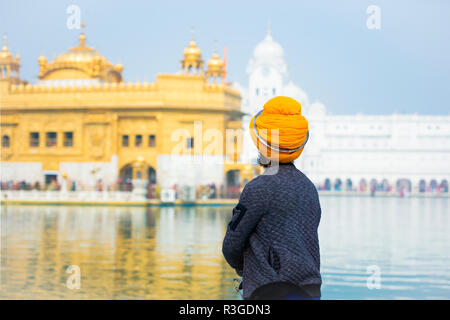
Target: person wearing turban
(279, 131)
(272, 240)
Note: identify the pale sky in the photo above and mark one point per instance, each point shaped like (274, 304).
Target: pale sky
(403, 67)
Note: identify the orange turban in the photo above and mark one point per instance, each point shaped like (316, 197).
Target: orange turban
(284, 114)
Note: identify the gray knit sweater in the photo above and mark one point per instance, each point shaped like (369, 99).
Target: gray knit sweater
(272, 235)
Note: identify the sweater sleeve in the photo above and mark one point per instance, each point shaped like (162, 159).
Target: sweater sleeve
(246, 215)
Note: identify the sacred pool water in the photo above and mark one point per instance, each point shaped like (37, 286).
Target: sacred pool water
(371, 248)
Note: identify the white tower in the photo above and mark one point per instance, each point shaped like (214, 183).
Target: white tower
(267, 71)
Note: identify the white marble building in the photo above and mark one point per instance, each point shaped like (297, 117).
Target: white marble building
(405, 151)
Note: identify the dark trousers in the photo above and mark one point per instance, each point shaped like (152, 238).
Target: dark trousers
(286, 291)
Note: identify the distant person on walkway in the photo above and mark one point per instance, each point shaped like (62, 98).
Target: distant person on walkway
(272, 238)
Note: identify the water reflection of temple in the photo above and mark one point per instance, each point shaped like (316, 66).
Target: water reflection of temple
(155, 253)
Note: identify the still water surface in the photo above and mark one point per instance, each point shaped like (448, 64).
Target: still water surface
(175, 252)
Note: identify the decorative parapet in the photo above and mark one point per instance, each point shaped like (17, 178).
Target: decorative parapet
(107, 86)
(168, 91)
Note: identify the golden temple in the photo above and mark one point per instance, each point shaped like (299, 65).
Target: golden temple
(81, 116)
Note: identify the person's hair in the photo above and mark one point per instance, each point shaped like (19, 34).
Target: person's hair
(263, 161)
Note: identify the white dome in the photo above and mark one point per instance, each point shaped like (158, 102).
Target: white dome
(268, 53)
(268, 49)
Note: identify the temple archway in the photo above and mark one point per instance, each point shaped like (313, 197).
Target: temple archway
(233, 181)
(349, 184)
(374, 184)
(338, 184)
(126, 173)
(444, 185)
(385, 185)
(362, 185)
(422, 185)
(403, 184)
(233, 178)
(433, 185)
(151, 174)
(138, 169)
(327, 184)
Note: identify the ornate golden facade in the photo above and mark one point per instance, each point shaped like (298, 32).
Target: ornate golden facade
(81, 111)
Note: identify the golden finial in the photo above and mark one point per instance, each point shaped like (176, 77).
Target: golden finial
(5, 47)
(82, 35)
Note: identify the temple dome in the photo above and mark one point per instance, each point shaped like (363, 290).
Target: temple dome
(268, 49)
(9, 66)
(268, 53)
(6, 55)
(216, 67)
(192, 52)
(192, 62)
(80, 62)
(215, 63)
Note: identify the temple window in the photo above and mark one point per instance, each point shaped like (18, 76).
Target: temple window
(190, 143)
(138, 141)
(5, 142)
(125, 140)
(52, 139)
(34, 139)
(152, 140)
(68, 139)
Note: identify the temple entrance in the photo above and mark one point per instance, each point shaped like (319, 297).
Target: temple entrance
(385, 185)
(126, 173)
(403, 185)
(338, 184)
(151, 174)
(362, 185)
(444, 185)
(433, 185)
(327, 184)
(233, 183)
(50, 178)
(373, 184)
(422, 186)
(233, 178)
(349, 185)
(137, 170)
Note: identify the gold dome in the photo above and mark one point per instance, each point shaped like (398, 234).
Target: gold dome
(119, 67)
(42, 59)
(80, 54)
(215, 63)
(9, 66)
(192, 62)
(5, 54)
(80, 62)
(216, 68)
(192, 51)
